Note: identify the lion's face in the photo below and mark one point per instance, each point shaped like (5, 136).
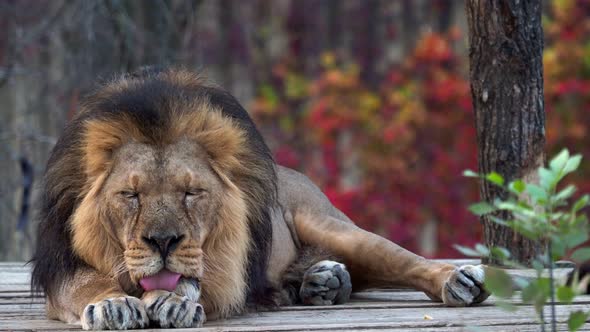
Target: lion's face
(160, 172)
(161, 203)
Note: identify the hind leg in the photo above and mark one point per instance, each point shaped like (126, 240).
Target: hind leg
(326, 282)
(377, 262)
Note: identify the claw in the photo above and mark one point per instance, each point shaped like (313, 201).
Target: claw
(172, 310)
(119, 313)
(465, 286)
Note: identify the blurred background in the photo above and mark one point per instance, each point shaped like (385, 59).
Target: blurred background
(370, 98)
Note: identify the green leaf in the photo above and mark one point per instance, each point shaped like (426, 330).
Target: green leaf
(529, 292)
(547, 178)
(482, 249)
(481, 208)
(499, 221)
(538, 194)
(500, 253)
(558, 162)
(572, 164)
(565, 294)
(530, 215)
(581, 223)
(467, 251)
(495, 178)
(575, 239)
(558, 248)
(576, 320)
(566, 193)
(537, 293)
(526, 229)
(581, 255)
(498, 282)
(507, 205)
(517, 186)
(581, 203)
(470, 174)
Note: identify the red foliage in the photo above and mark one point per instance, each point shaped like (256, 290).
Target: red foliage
(391, 158)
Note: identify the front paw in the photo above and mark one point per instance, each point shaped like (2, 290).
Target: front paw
(465, 286)
(171, 310)
(118, 313)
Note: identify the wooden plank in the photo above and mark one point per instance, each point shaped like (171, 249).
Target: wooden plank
(355, 319)
(6, 265)
(14, 287)
(362, 300)
(412, 297)
(16, 277)
(389, 309)
(343, 327)
(26, 294)
(23, 317)
(21, 301)
(483, 315)
(35, 325)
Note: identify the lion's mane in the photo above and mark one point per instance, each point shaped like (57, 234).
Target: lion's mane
(154, 107)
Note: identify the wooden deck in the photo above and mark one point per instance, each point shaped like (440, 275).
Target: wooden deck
(380, 310)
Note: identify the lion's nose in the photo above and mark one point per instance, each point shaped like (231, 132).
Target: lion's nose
(164, 244)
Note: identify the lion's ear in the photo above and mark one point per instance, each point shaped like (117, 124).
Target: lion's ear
(223, 140)
(224, 148)
(101, 139)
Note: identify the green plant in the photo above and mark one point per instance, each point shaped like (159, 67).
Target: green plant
(540, 211)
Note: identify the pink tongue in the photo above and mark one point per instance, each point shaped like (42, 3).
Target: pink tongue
(164, 279)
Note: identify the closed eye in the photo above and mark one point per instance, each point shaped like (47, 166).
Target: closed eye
(129, 194)
(195, 192)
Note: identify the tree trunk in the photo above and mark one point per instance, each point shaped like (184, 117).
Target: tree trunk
(506, 73)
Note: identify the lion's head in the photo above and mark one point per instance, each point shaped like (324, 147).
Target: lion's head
(160, 173)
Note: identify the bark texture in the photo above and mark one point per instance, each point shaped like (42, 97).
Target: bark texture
(506, 73)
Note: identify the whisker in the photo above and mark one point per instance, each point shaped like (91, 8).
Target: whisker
(119, 268)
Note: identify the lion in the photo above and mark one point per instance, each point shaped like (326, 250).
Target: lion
(162, 205)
